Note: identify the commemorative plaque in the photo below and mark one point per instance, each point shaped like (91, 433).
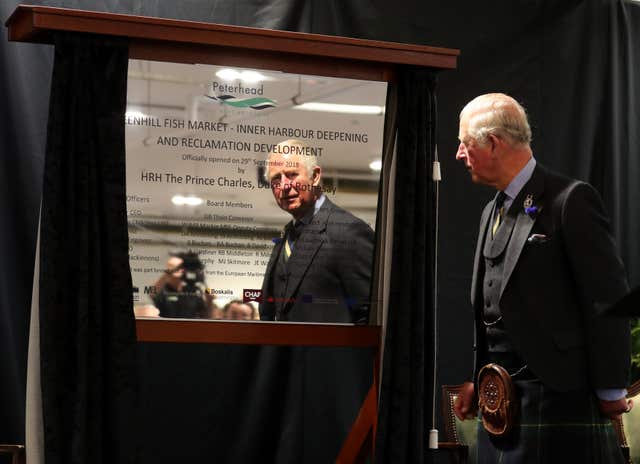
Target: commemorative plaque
(203, 220)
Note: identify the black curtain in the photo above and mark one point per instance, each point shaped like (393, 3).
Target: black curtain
(23, 102)
(87, 332)
(623, 104)
(235, 404)
(406, 390)
(589, 120)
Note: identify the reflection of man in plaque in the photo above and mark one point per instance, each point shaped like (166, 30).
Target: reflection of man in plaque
(320, 268)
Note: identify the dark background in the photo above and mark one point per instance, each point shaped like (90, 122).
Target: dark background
(573, 64)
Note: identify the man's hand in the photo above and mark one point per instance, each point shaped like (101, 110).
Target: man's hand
(465, 404)
(613, 409)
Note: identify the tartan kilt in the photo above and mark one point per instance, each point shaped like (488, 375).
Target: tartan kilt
(553, 427)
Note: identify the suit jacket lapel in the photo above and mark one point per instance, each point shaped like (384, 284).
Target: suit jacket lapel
(310, 241)
(523, 222)
(478, 260)
(275, 252)
(267, 285)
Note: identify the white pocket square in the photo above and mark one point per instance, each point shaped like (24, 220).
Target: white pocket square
(538, 238)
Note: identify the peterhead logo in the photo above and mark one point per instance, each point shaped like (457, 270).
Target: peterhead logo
(255, 100)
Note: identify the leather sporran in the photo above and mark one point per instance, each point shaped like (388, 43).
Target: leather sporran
(496, 400)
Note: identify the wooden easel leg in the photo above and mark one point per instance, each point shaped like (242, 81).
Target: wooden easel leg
(359, 442)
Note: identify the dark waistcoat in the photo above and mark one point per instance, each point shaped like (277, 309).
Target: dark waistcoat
(499, 348)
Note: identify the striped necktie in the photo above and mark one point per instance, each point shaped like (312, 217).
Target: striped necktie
(498, 212)
(293, 232)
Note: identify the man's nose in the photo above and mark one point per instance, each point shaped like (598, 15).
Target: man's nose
(462, 152)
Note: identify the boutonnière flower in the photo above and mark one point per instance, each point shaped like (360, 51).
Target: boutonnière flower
(529, 208)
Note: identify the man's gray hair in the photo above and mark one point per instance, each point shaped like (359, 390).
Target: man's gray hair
(308, 160)
(497, 114)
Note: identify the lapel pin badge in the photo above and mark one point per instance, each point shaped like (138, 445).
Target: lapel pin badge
(277, 240)
(529, 208)
(528, 202)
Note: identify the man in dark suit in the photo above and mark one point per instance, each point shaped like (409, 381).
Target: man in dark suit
(320, 269)
(545, 268)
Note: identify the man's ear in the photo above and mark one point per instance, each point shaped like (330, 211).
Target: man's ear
(495, 142)
(316, 176)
